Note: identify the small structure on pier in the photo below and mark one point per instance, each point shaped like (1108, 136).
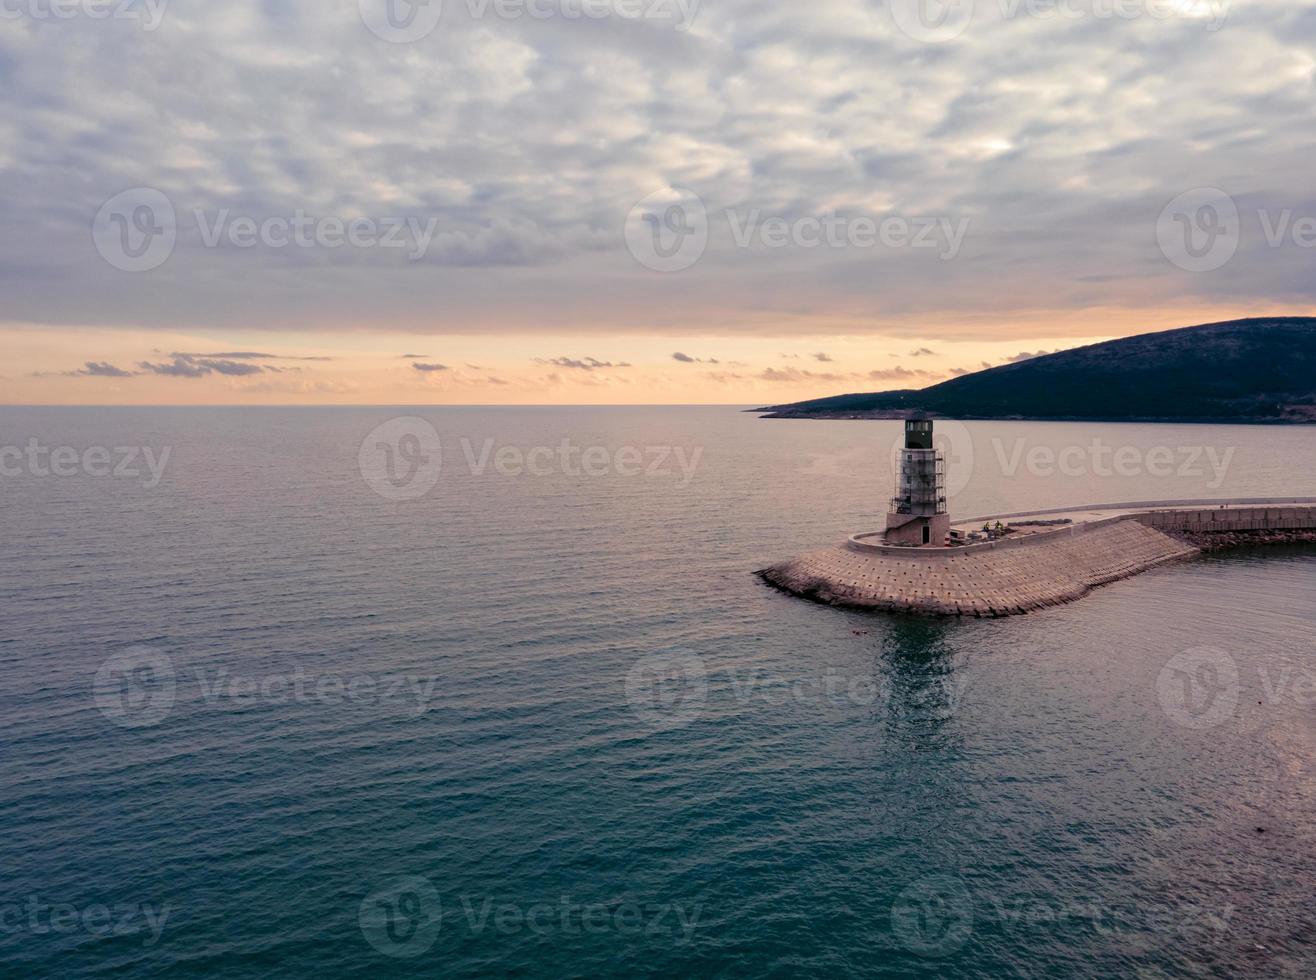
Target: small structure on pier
(918, 516)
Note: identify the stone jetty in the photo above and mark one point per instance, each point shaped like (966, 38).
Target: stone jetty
(1047, 558)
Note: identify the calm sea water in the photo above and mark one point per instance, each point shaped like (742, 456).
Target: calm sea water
(261, 720)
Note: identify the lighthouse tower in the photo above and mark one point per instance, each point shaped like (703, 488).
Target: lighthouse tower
(918, 515)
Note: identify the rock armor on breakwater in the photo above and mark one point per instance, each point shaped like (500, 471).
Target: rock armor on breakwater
(1012, 576)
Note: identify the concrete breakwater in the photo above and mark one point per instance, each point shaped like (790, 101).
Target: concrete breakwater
(1037, 567)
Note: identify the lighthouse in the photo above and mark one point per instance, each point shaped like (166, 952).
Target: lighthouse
(918, 516)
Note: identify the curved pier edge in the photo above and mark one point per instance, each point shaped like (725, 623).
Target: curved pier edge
(1052, 567)
(788, 578)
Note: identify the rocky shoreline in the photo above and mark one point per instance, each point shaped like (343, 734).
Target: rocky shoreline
(1222, 540)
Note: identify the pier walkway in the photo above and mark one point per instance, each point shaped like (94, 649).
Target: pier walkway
(1034, 567)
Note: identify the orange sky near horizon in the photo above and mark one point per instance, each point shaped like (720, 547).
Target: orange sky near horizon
(100, 366)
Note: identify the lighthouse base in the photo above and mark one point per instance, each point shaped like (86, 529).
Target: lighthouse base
(909, 531)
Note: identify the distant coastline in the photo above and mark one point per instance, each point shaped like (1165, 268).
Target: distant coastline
(1252, 372)
(773, 413)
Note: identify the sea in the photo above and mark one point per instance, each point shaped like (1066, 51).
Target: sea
(467, 692)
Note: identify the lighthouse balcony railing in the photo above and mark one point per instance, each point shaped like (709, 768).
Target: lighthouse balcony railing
(926, 504)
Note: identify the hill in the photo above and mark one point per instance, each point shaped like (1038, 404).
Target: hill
(1257, 370)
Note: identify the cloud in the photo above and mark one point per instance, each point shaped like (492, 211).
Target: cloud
(895, 374)
(1064, 161)
(429, 368)
(414, 357)
(820, 356)
(687, 359)
(189, 366)
(245, 356)
(728, 377)
(923, 352)
(587, 364)
(288, 386)
(795, 375)
(99, 369)
(1025, 356)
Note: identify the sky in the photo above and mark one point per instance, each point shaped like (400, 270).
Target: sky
(632, 201)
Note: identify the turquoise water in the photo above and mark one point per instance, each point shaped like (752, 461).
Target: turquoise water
(259, 720)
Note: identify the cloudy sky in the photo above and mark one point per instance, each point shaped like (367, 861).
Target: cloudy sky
(735, 201)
